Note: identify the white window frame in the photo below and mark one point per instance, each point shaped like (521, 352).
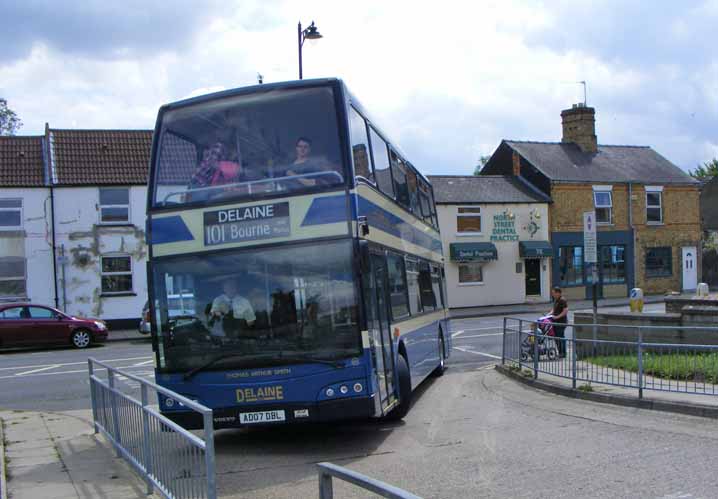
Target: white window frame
(109, 274)
(101, 206)
(607, 189)
(471, 283)
(20, 209)
(17, 278)
(460, 233)
(655, 189)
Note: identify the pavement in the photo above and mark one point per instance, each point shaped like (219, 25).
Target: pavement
(127, 335)
(56, 455)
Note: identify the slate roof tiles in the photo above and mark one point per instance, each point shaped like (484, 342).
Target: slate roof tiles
(454, 189)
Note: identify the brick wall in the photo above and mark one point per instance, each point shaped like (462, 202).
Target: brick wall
(571, 200)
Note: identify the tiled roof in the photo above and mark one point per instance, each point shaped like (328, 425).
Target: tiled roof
(450, 189)
(567, 162)
(96, 157)
(21, 162)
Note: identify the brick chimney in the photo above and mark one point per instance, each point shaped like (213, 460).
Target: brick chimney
(579, 127)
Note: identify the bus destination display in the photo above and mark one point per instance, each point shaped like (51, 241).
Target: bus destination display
(248, 223)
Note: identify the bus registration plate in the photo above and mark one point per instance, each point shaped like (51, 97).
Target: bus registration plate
(261, 417)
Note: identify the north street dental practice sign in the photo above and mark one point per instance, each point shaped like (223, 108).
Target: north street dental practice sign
(248, 223)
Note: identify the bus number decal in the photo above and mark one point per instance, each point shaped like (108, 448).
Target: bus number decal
(249, 223)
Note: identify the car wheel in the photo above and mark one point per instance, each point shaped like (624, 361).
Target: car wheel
(441, 368)
(81, 338)
(402, 370)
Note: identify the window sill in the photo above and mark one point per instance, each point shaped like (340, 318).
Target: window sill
(667, 276)
(118, 224)
(113, 295)
(471, 283)
(469, 234)
(655, 224)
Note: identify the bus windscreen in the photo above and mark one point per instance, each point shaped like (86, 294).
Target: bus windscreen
(246, 145)
(284, 304)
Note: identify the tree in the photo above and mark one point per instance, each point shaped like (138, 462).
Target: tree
(482, 162)
(9, 122)
(706, 171)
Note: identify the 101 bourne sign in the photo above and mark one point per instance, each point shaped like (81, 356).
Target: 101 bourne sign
(250, 223)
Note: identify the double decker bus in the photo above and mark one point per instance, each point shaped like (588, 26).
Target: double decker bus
(309, 248)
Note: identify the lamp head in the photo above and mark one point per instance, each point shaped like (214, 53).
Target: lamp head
(312, 33)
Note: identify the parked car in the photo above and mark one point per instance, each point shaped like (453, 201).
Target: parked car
(179, 306)
(28, 325)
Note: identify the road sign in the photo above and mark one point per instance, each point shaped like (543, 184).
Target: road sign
(589, 237)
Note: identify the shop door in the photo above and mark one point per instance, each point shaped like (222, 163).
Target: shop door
(690, 271)
(380, 329)
(533, 276)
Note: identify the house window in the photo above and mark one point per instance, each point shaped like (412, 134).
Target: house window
(116, 274)
(114, 205)
(10, 214)
(12, 277)
(654, 209)
(468, 220)
(659, 262)
(470, 273)
(613, 264)
(603, 202)
(570, 261)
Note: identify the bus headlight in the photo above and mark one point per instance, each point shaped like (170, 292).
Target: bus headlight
(330, 392)
(169, 402)
(344, 389)
(358, 388)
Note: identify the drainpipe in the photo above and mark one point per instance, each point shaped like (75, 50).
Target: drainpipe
(48, 176)
(633, 232)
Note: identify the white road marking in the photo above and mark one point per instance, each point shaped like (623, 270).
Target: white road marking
(53, 366)
(147, 362)
(480, 335)
(457, 333)
(74, 363)
(54, 373)
(477, 353)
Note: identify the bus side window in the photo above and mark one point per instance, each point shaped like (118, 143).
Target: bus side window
(428, 298)
(398, 173)
(413, 190)
(380, 159)
(360, 145)
(397, 287)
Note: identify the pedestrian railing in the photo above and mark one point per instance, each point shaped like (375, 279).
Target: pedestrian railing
(643, 365)
(327, 471)
(174, 461)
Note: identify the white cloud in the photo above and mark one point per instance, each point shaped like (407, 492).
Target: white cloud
(447, 81)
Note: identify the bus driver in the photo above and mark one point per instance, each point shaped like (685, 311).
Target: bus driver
(231, 308)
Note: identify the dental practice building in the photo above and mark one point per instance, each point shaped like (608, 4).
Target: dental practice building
(495, 237)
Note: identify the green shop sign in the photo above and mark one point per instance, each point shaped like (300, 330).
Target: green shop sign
(504, 228)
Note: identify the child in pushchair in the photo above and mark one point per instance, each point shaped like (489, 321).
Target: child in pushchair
(545, 334)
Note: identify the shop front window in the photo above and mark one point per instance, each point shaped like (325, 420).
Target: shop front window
(570, 265)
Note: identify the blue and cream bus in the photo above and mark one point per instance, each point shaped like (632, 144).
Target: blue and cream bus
(309, 248)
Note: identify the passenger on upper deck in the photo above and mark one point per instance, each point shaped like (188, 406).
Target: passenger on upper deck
(305, 163)
(216, 168)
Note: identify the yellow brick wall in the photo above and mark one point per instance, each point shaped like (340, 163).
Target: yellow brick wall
(681, 224)
(570, 201)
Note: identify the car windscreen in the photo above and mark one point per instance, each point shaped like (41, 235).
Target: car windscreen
(266, 306)
(248, 145)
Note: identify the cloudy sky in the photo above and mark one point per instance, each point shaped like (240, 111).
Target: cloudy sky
(447, 80)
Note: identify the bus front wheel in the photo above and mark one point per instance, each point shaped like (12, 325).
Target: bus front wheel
(402, 371)
(441, 368)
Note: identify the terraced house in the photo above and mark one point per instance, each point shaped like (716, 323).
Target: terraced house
(72, 215)
(647, 209)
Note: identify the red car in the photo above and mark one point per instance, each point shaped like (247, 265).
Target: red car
(29, 325)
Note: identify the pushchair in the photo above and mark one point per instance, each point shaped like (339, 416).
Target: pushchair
(544, 336)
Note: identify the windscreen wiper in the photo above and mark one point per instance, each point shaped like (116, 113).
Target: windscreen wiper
(189, 374)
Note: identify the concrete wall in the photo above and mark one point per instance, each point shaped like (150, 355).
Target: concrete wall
(84, 240)
(33, 242)
(501, 283)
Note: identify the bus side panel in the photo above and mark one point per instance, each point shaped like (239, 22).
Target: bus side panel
(420, 336)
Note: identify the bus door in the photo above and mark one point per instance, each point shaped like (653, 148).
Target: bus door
(379, 328)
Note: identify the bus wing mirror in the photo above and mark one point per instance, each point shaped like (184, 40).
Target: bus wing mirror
(363, 225)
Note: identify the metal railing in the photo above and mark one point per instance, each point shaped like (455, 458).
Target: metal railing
(327, 471)
(642, 365)
(176, 462)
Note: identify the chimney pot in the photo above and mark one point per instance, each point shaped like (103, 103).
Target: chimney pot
(579, 127)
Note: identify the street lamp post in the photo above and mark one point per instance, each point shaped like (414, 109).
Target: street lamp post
(311, 33)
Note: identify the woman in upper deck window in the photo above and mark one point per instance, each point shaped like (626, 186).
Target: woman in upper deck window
(305, 163)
